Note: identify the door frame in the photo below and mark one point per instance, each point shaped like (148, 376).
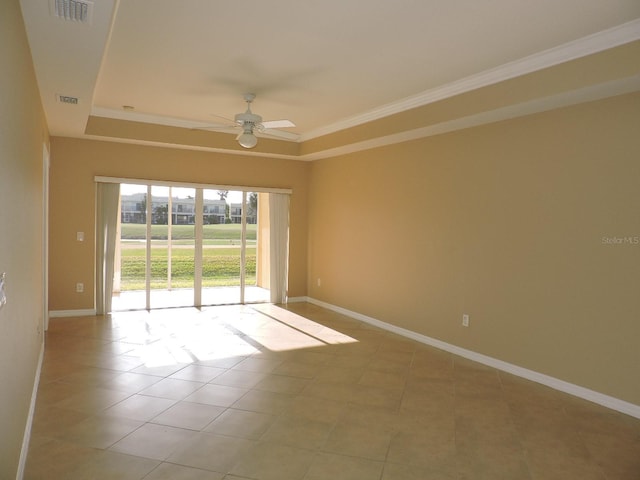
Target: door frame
(199, 187)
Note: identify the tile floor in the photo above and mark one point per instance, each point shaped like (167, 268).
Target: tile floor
(262, 392)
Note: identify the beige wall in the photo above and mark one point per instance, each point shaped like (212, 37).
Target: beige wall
(22, 134)
(504, 222)
(75, 163)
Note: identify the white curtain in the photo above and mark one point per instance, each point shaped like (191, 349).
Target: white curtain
(108, 198)
(278, 246)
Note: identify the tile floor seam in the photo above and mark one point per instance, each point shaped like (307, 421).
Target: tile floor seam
(514, 427)
(580, 431)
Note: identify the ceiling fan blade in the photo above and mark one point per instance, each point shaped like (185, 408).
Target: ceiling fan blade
(280, 134)
(227, 120)
(216, 125)
(218, 128)
(278, 124)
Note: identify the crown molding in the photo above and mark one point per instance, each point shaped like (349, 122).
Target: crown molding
(591, 44)
(566, 99)
(178, 146)
(147, 118)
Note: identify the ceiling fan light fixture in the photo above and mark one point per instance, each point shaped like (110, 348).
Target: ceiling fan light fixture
(247, 140)
(249, 122)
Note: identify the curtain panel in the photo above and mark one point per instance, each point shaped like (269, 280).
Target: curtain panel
(278, 246)
(108, 198)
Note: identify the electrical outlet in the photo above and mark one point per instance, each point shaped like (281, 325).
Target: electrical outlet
(79, 287)
(80, 236)
(319, 282)
(465, 320)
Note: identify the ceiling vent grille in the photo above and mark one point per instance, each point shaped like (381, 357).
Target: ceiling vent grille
(72, 10)
(67, 99)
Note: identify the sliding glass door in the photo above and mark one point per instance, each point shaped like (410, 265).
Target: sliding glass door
(221, 249)
(172, 247)
(189, 247)
(129, 284)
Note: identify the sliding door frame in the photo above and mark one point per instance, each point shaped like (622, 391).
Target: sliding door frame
(209, 186)
(197, 250)
(243, 246)
(198, 244)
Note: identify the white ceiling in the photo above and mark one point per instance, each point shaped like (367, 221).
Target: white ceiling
(323, 65)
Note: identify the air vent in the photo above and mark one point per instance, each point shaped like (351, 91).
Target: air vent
(72, 10)
(67, 99)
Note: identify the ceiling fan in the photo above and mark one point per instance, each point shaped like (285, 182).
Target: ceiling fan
(251, 123)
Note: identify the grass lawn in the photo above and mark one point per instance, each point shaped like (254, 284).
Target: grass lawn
(220, 267)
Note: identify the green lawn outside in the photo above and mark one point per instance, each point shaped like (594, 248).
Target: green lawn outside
(220, 266)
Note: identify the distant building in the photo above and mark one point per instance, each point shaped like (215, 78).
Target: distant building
(235, 213)
(133, 210)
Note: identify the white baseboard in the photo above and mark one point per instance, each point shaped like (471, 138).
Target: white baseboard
(72, 313)
(297, 299)
(32, 409)
(555, 383)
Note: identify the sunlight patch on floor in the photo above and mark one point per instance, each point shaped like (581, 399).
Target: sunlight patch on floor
(178, 336)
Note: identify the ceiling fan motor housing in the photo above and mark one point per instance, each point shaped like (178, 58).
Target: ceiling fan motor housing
(248, 118)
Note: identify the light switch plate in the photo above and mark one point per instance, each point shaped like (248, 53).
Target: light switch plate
(3, 293)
